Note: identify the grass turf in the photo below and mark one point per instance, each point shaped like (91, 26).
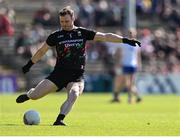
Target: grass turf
(94, 115)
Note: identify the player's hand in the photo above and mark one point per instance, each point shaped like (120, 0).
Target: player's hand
(132, 42)
(27, 67)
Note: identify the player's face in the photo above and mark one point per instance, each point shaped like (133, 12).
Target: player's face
(66, 22)
(132, 33)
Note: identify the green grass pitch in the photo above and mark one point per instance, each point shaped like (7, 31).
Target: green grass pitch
(94, 115)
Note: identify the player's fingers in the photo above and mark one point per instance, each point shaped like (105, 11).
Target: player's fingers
(138, 43)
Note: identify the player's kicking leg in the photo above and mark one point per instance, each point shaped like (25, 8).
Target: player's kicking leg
(75, 89)
(42, 89)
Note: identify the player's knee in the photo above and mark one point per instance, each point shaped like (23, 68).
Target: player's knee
(75, 93)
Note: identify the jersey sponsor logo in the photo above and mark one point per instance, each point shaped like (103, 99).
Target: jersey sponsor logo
(71, 41)
(72, 45)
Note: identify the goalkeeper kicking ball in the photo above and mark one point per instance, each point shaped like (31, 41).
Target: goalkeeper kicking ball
(31, 117)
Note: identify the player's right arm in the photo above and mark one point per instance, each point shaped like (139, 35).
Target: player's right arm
(36, 57)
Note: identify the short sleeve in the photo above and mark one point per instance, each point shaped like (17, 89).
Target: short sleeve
(51, 40)
(88, 34)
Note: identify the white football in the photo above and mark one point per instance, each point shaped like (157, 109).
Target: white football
(31, 117)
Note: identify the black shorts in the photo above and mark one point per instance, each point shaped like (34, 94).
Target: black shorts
(62, 77)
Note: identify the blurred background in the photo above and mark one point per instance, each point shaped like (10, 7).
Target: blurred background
(25, 24)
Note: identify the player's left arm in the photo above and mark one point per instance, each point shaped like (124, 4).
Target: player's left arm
(111, 37)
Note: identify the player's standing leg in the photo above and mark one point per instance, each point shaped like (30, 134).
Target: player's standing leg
(118, 84)
(75, 89)
(43, 88)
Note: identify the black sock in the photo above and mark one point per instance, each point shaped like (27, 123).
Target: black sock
(60, 117)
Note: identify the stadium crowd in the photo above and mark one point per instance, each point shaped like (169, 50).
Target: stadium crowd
(160, 44)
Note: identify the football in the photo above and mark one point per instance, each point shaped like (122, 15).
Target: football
(31, 117)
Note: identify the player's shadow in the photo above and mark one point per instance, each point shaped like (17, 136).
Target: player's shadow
(10, 124)
(27, 125)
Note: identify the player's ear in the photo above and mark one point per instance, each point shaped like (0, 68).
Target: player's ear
(73, 18)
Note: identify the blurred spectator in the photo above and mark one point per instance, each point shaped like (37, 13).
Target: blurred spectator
(99, 13)
(38, 33)
(23, 42)
(160, 50)
(6, 27)
(46, 15)
(128, 62)
(85, 11)
(147, 47)
(106, 14)
(30, 39)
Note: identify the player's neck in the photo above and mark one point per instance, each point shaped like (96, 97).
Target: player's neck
(73, 27)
